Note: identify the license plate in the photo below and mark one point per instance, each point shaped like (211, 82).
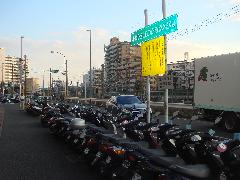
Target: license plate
(75, 141)
(140, 115)
(98, 154)
(136, 118)
(108, 160)
(86, 151)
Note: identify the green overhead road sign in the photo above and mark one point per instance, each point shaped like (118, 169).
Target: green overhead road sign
(152, 31)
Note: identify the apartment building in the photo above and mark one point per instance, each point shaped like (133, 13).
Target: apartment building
(2, 59)
(11, 69)
(183, 72)
(97, 82)
(122, 67)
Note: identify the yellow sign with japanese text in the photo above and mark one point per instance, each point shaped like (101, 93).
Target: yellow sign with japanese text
(153, 57)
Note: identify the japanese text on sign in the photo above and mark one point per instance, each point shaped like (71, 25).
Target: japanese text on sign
(157, 29)
(153, 57)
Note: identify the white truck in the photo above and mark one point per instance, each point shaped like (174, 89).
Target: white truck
(217, 89)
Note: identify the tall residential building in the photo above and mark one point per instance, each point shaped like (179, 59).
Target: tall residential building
(183, 72)
(2, 60)
(122, 67)
(11, 69)
(97, 81)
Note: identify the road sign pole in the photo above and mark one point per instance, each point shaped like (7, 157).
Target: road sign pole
(148, 78)
(165, 50)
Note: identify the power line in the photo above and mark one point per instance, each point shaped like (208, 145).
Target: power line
(219, 17)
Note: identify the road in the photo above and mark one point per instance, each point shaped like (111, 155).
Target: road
(29, 152)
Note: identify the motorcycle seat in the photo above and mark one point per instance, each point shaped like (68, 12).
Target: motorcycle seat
(90, 125)
(142, 147)
(69, 119)
(199, 171)
(166, 161)
(152, 152)
(114, 138)
(99, 130)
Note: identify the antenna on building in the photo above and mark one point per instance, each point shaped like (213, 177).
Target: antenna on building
(186, 56)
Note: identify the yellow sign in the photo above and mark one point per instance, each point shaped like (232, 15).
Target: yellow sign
(153, 57)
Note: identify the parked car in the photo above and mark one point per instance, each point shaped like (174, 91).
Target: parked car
(126, 101)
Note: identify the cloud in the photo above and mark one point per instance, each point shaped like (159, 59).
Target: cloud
(176, 49)
(235, 1)
(74, 45)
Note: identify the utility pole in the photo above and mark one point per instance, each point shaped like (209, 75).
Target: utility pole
(12, 80)
(148, 78)
(165, 50)
(77, 90)
(50, 85)
(66, 86)
(85, 90)
(20, 74)
(2, 80)
(25, 78)
(43, 84)
(90, 85)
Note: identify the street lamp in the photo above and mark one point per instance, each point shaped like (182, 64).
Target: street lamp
(90, 84)
(25, 78)
(66, 75)
(20, 74)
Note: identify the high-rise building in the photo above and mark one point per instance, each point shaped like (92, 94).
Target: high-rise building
(11, 70)
(11, 67)
(97, 81)
(2, 60)
(122, 67)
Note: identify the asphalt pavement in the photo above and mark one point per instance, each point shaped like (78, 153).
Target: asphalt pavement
(29, 152)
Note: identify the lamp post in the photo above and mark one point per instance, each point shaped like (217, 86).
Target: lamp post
(2, 79)
(12, 80)
(165, 50)
(66, 74)
(25, 78)
(90, 84)
(20, 74)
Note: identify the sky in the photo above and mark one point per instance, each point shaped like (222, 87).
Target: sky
(60, 25)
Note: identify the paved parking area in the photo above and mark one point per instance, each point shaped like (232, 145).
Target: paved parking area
(29, 152)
